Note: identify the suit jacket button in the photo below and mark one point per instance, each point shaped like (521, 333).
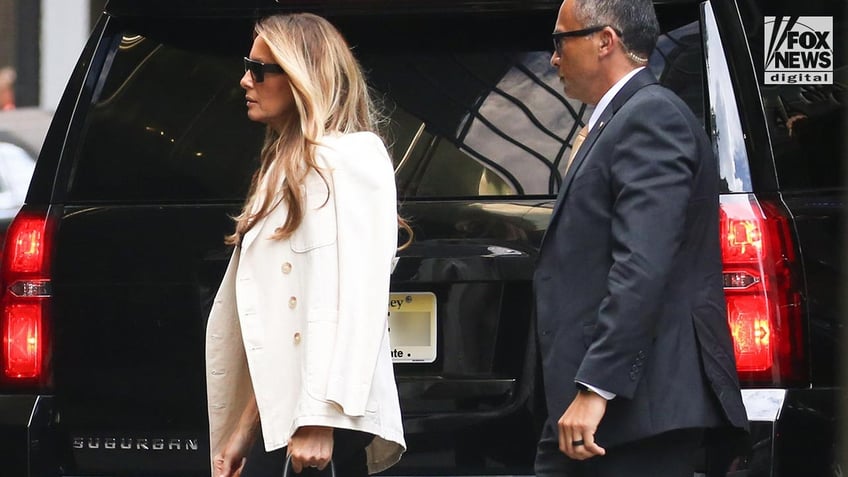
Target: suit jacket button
(287, 267)
(292, 302)
(297, 338)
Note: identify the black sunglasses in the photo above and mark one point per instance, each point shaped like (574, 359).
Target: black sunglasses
(258, 69)
(559, 35)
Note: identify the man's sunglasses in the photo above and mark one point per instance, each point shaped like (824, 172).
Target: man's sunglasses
(559, 35)
(258, 69)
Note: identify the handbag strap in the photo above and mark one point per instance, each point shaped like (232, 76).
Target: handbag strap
(288, 466)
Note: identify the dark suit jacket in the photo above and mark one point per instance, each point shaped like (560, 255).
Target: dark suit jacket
(628, 285)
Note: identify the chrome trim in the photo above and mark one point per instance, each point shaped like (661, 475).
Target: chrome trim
(134, 443)
(726, 133)
(763, 404)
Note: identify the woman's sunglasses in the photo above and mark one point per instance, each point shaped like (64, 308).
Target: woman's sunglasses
(258, 69)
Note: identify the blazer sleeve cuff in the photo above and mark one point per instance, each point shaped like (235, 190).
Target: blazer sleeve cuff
(352, 401)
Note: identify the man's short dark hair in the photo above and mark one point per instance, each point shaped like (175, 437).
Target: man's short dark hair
(635, 19)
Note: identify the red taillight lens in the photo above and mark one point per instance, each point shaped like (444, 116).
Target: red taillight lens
(22, 350)
(751, 331)
(26, 245)
(763, 300)
(25, 280)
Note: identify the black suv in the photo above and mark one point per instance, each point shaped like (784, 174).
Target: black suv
(109, 269)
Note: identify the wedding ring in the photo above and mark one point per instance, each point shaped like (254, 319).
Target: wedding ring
(576, 443)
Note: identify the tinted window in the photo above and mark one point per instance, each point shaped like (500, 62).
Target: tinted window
(471, 113)
(806, 122)
(168, 123)
(495, 122)
(485, 123)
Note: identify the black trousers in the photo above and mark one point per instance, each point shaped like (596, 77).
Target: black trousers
(348, 457)
(671, 454)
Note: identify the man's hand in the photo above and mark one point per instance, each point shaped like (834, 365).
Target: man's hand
(311, 446)
(578, 424)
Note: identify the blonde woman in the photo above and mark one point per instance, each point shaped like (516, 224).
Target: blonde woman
(297, 356)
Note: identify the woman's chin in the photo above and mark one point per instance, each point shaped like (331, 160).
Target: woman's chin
(253, 116)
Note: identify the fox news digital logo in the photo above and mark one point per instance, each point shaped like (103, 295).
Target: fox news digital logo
(799, 50)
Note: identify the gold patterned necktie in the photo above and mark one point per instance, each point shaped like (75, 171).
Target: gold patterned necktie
(578, 141)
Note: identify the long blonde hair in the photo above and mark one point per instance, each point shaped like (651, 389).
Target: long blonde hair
(330, 95)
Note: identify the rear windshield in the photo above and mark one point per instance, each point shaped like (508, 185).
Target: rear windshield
(806, 121)
(474, 107)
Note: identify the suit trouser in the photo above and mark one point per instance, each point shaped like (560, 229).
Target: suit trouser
(671, 454)
(349, 457)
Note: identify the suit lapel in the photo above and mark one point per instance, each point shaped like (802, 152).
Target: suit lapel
(584, 149)
(637, 82)
(578, 160)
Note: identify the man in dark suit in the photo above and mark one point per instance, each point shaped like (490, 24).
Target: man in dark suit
(636, 352)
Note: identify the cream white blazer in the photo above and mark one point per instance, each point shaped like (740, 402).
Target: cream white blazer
(302, 323)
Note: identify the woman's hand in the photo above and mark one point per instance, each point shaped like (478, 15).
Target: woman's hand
(311, 446)
(231, 459)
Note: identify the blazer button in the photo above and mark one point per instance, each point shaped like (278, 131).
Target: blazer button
(297, 338)
(292, 302)
(287, 268)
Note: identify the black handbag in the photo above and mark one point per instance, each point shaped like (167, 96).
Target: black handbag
(292, 474)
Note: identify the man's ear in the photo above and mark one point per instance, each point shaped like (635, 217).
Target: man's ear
(607, 41)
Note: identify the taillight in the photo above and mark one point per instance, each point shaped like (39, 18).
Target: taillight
(763, 298)
(25, 280)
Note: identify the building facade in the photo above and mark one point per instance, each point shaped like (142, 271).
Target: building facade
(41, 40)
